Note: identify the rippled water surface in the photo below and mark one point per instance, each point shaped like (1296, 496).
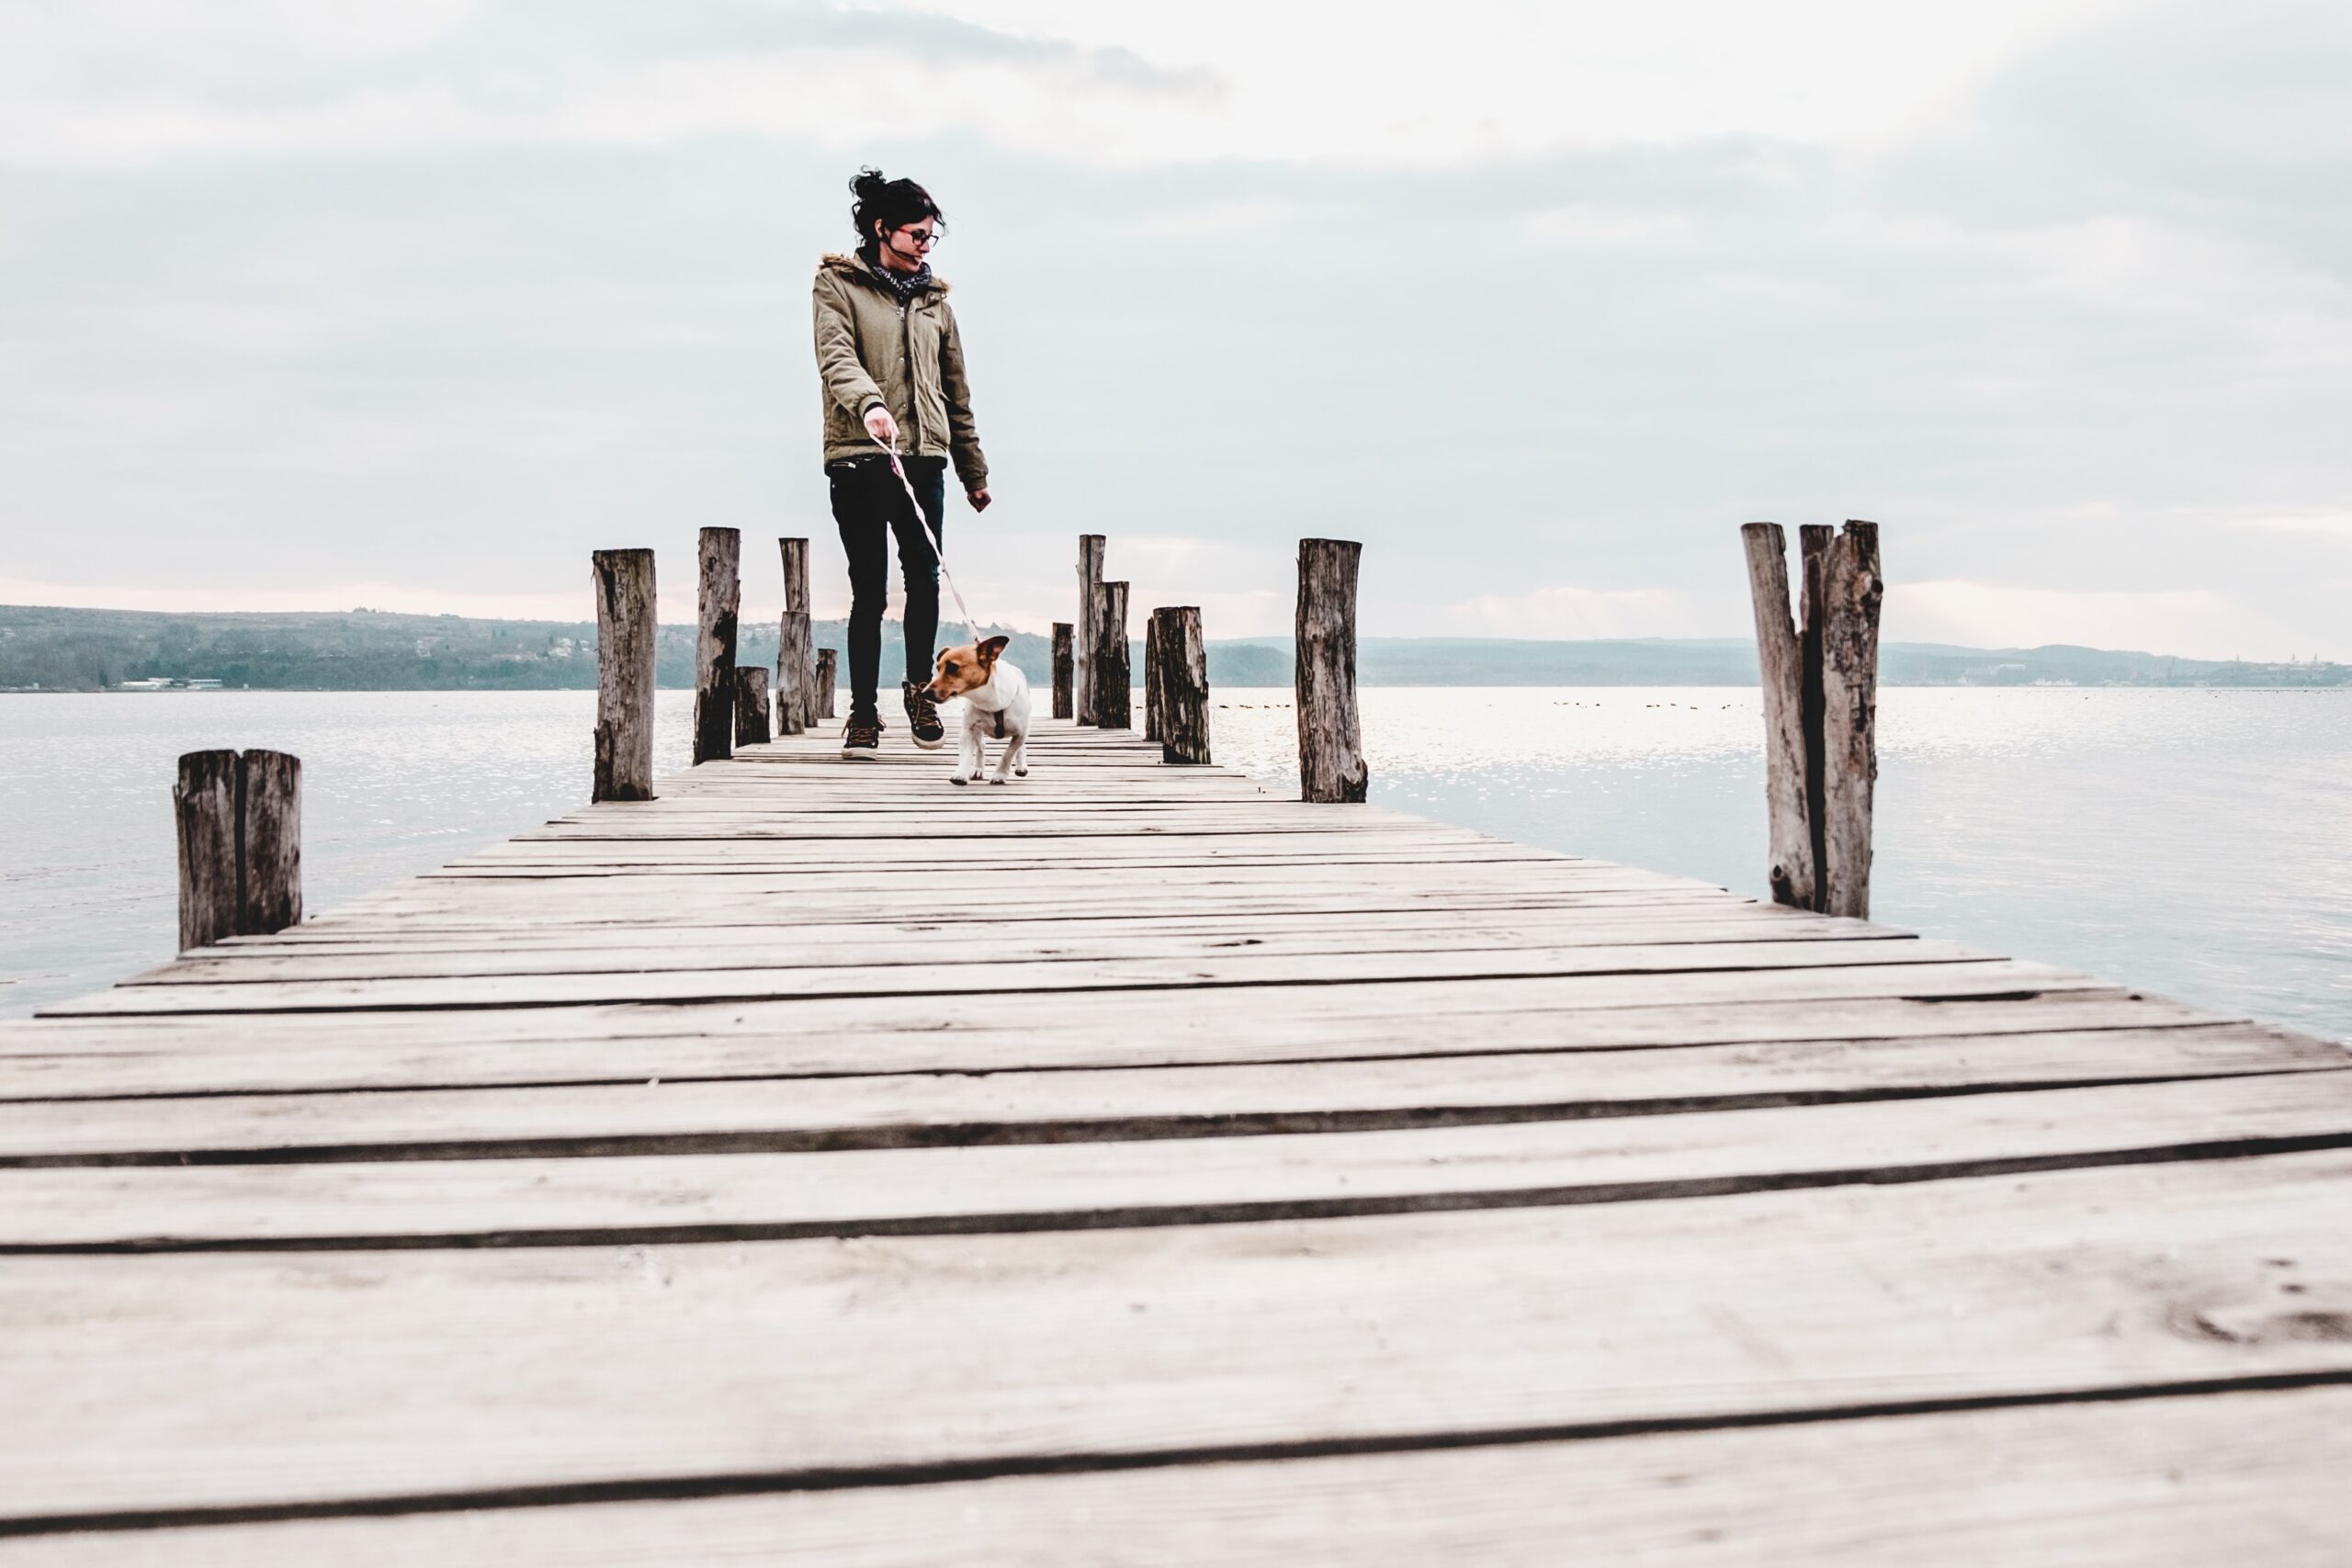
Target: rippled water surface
(2196, 843)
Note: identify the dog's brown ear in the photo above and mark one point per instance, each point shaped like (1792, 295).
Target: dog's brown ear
(992, 647)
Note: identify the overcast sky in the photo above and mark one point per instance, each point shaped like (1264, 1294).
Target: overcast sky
(314, 304)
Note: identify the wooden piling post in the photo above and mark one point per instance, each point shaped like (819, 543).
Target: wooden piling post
(1184, 685)
(1065, 658)
(826, 674)
(718, 595)
(1090, 583)
(1812, 550)
(1330, 740)
(1151, 624)
(795, 673)
(1112, 699)
(1853, 590)
(752, 705)
(626, 628)
(269, 827)
(240, 821)
(204, 802)
(1781, 663)
(802, 681)
(1820, 686)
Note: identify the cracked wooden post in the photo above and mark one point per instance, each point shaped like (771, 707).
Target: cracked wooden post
(240, 830)
(795, 674)
(1780, 667)
(1183, 686)
(1064, 669)
(797, 679)
(270, 850)
(1812, 550)
(1112, 698)
(204, 803)
(1330, 740)
(1852, 592)
(752, 705)
(626, 628)
(1090, 583)
(718, 596)
(827, 674)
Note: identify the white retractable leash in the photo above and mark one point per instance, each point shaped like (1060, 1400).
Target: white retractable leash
(936, 553)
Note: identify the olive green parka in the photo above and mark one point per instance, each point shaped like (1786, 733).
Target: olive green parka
(909, 358)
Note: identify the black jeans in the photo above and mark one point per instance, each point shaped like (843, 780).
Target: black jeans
(870, 508)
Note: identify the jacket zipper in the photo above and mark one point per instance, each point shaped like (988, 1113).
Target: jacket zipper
(915, 393)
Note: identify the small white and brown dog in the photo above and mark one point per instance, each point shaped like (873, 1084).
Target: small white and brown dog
(996, 702)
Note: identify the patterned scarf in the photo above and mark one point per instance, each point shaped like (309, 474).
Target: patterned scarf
(905, 285)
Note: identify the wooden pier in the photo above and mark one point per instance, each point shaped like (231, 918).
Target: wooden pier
(818, 1163)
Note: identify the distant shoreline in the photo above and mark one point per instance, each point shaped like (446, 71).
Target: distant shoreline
(47, 648)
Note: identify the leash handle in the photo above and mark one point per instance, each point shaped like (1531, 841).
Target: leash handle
(929, 537)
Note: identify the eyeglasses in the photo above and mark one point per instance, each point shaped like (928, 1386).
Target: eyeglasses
(923, 238)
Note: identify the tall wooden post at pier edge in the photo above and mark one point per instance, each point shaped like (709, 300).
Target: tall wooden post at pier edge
(1151, 676)
(795, 658)
(1181, 663)
(1090, 581)
(1112, 701)
(1330, 740)
(1820, 687)
(718, 594)
(625, 633)
(1064, 672)
(239, 819)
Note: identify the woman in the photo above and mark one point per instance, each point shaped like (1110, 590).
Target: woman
(893, 369)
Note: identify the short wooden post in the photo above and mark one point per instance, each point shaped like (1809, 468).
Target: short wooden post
(1853, 590)
(239, 820)
(1065, 658)
(827, 675)
(1183, 686)
(718, 594)
(1781, 662)
(1112, 698)
(1090, 583)
(1330, 741)
(752, 705)
(269, 827)
(204, 802)
(1812, 550)
(1152, 632)
(795, 673)
(803, 682)
(626, 628)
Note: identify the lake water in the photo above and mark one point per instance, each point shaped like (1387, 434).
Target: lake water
(2197, 843)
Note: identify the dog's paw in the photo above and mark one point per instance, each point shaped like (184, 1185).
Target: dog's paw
(1020, 772)
(996, 781)
(957, 779)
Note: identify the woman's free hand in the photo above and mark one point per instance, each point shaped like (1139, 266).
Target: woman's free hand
(881, 426)
(978, 498)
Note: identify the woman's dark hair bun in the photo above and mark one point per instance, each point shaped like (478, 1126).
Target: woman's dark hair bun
(894, 204)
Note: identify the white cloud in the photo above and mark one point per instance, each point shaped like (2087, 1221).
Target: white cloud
(2194, 623)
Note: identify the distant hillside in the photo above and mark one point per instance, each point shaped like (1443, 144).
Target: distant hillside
(83, 650)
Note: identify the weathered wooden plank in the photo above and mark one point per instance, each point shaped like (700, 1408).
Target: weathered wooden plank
(706, 948)
(902, 1108)
(275, 1380)
(1234, 968)
(2181, 1481)
(1093, 1184)
(628, 1044)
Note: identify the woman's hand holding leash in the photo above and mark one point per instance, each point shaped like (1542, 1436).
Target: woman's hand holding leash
(881, 426)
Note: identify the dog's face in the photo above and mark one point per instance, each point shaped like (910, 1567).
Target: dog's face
(965, 669)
